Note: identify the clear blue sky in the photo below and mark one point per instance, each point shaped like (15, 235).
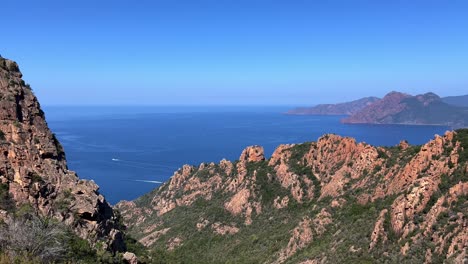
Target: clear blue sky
(235, 52)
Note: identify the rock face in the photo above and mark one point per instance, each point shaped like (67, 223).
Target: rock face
(348, 108)
(330, 201)
(130, 258)
(33, 169)
(253, 154)
(399, 108)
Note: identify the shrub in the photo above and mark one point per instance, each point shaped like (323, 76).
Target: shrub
(462, 137)
(382, 154)
(34, 237)
(136, 247)
(79, 250)
(31, 239)
(2, 135)
(24, 210)
(6, 259)
(35, 178)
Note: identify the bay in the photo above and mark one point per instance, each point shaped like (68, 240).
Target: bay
(129, 150)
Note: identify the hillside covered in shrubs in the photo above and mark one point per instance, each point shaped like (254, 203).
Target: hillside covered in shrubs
(330, 201)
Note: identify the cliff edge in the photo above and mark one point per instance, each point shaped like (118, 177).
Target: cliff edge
(33, 169)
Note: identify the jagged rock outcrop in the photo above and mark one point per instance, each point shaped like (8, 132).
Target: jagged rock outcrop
(221, 229)
(130, 258)
(334, 200)
(302, 235)
(253, 154)
(33, 168)
(378, 234)
(301, 188)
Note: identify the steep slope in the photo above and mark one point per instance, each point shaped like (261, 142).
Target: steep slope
(330, 201)
(461, 100)
(399, 108)
(33, 169)
(347, 108)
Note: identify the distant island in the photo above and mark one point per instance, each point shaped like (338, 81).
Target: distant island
(398, 108)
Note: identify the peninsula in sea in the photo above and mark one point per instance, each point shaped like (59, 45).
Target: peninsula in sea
(398, 108)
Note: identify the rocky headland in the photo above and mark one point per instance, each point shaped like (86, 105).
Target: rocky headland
(330, 201)
(400, 108)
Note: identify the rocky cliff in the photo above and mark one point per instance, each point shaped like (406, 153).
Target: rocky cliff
(347, 108)
(399, 108)
(330, 201)
(33, 169)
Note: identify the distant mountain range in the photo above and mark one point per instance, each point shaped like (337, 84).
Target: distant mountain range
(398, 108)
(347, 108)
(457, 100)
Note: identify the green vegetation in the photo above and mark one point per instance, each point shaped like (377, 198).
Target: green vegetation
(137, 248)
(2, 135)
(63, 202)
(462, 137)
(253, 244)
(79, 250)
(298, 165)
(266, 187)
(23, 211)
(35, 178)
(396, 155)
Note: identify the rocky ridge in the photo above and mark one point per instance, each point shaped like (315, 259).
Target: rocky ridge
(334, 200)
(33, 170)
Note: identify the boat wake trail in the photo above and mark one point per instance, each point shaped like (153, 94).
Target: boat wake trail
(145, 164)
(148, 181)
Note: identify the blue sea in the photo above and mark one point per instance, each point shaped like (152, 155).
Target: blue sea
(128, 150)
